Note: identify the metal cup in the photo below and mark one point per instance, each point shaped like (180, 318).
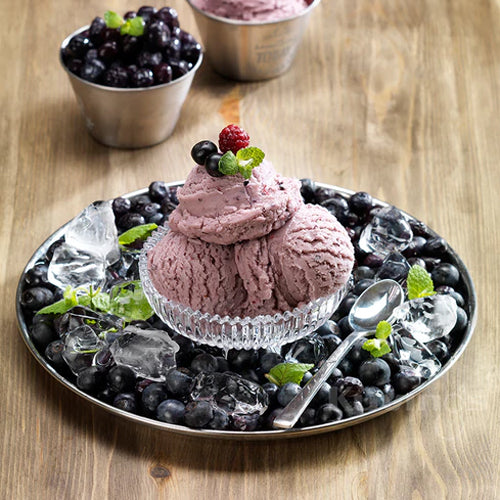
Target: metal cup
(251, 51)
(130, 118)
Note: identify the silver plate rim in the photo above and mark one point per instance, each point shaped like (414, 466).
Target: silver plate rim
(251, 435)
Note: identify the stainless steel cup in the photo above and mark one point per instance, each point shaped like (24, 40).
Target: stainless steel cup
(250, 51)
(130, 118)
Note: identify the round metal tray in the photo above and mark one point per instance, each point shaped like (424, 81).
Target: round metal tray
(470, 307)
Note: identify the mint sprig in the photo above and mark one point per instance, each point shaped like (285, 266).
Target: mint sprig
(287, 372)
(112, 19)
(243, 162)
(419, 283)
(141, 232)
(127, 301)
(379, 346)
(132, 27)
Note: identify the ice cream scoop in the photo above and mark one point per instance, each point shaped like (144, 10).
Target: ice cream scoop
(228, 209)
(196, 274)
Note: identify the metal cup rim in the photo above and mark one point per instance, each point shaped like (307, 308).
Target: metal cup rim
(237, 22)
(119, 89)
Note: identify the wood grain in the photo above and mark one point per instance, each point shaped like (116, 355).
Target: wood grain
(397, 98)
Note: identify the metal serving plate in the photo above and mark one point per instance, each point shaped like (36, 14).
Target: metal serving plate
(470, 307)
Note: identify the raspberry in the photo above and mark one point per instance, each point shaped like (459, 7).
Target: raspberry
(233, 138)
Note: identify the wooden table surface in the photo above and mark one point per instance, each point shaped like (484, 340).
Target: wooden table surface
(394, 97)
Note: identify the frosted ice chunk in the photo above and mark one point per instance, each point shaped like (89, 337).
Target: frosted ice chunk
(149, 353)
(80, 346)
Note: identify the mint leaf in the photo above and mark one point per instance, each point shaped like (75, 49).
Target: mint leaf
(59, 307)
(383, 330)
(100, 301)
(376, 347)
(228, 164)
(129, 302)
(112, 19)
(249, 158)
(141, 232)
(419, 283)
(287, 372)
(133, 27)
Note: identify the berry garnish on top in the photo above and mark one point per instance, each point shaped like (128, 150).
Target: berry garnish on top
(237, 157)
(233, 138)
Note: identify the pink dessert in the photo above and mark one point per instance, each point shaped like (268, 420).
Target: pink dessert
(196, 274)
(252, 10)
(228, 209)
(247, 247)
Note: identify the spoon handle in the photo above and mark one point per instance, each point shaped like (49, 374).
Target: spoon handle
(294, 409)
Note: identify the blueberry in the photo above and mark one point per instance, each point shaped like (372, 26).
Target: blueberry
(305, 378)
(186, 37)
(328, 328)
(445, 274)
(373, 260)
(91, 55)
(78, 46)
(307, 418)
(143, 77)
(346, 304)
(93, 70)
(419, 228)
(130, 15)
(349, 387)
(357, 354)
(157, 34)
(125, 402)
(75, 65)
(431, 262)
(323, 193)
(417, 261)
(338, 207)
(361, 203)
(241, 359)
(435, 247)
(130, 220)
(169, 16)
(222, 364)
(104, 358)
(391, 360)
(149, 210)
(108, 51)
(389, 393)
(202, 150)
(163, 73)
(331, 341)
(461, 323)
(310, 349)
(36, 276)
(121, 379)
(271, 416)
(328, 413)
(270, 359)
(158, 191)
(347, 367)
(172, 49)
(204, 362)
(287, 393)
(148, 60)
(362, 285)
(334, 376)
(245, 422)
(212, 165)
(121, 206)
(116, 77)
(131, 46)
(415, 247)
(271, 390)
(146, 12)
(53, 353)
(90, 379)
(374, 372)
(198, 414)
(152, 396)
(395, 267)
(373, 397)
(191, 52)
(34, 299)
(307, 190)
(179, 67)
(323, 396)
(42, 330)
(352, 408)
(405, 380)
(363, 272)
(439, 349)
(219, 421)
(96, 30)
(106, 395)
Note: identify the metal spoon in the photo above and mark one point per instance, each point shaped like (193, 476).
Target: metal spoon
(375, 304)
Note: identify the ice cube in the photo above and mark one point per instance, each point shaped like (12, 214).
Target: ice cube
(410, 352)
(394, 267)
(72, 267)
(231, 393)
(149, 353)
(93, 231)
(80, 347)
(387, 232)
(428, 318)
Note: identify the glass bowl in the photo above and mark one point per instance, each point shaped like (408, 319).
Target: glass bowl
(263, 331)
